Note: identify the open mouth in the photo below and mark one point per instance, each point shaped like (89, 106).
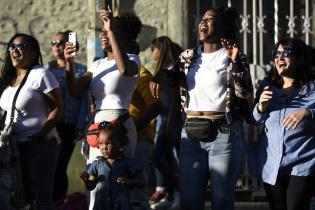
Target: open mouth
(281, 65)
(203, 29)
(104, 40)
(15, 56)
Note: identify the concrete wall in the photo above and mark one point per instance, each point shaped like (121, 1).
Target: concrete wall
(159, 18)
(43, 18)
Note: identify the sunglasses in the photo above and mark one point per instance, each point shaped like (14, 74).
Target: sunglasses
(20, 46)
(283, 54)
(57, 42)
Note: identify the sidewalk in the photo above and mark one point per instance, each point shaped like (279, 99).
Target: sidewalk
(245, 206)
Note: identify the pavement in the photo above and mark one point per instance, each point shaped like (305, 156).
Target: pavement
(246, 206)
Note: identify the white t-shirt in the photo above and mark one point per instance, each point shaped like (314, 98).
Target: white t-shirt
(206, 81)
(111, 89)
(31, 108)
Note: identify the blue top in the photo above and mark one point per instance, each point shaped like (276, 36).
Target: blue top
(75, 109)
(109, 194)
(287, 151)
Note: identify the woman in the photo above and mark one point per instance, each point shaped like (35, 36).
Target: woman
(74, 120)
(164, 52)
(286, 107)
(111, 80)
(37, 110)
(218, 83)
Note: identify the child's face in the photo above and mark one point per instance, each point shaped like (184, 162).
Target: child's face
(108, 148)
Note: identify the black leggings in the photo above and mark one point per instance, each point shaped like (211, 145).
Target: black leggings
(290, 192)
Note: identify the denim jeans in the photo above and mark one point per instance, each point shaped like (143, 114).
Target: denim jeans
(163, 156)
(142, 156)
(220, 160)
(38, 163)
(67, 133)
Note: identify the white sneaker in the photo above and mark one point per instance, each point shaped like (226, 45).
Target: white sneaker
(176, 202)
(163, 204)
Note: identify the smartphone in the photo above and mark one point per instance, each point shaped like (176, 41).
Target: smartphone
(73, 38)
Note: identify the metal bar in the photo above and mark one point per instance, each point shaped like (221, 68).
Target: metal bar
(229, 4)
(245, 31)
(291, 18)
(306, 19)
(291, 15)
(254, 34)
(261, 33)
(276, 29)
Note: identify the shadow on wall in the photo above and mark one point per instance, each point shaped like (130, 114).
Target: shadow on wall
(147, 34)
(9, 27)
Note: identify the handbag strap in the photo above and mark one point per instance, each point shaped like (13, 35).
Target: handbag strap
(15, 97)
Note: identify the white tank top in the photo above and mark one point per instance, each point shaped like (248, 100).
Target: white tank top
(111, 89)
(206, 81)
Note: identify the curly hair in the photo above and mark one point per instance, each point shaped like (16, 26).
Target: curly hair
(229, 18)
(127, 24)
(118, 132)
(303, 65)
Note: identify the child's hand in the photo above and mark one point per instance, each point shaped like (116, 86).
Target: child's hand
(122, 180)
(84, 176)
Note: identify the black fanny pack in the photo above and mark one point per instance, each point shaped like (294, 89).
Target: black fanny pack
(205, 130)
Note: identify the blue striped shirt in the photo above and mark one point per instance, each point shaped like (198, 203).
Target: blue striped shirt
(287, 151)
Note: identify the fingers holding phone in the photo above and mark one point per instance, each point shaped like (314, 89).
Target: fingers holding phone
(264, 99)
(69, 51)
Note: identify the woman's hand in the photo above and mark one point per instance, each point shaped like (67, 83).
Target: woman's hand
(231, 48)
(264, 99)
(69, 49)
(106, 17)
(122, 180)
(155, 89)
(84, 176)
(292, 120)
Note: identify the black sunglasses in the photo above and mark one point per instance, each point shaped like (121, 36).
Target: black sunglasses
(284, 54)
(57, 42)
(20, 46)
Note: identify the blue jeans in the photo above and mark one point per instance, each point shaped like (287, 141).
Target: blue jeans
(142, 156)
(163, 156)
(220, 160)
(38, 163)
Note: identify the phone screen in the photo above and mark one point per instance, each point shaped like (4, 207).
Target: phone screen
(73, 39)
